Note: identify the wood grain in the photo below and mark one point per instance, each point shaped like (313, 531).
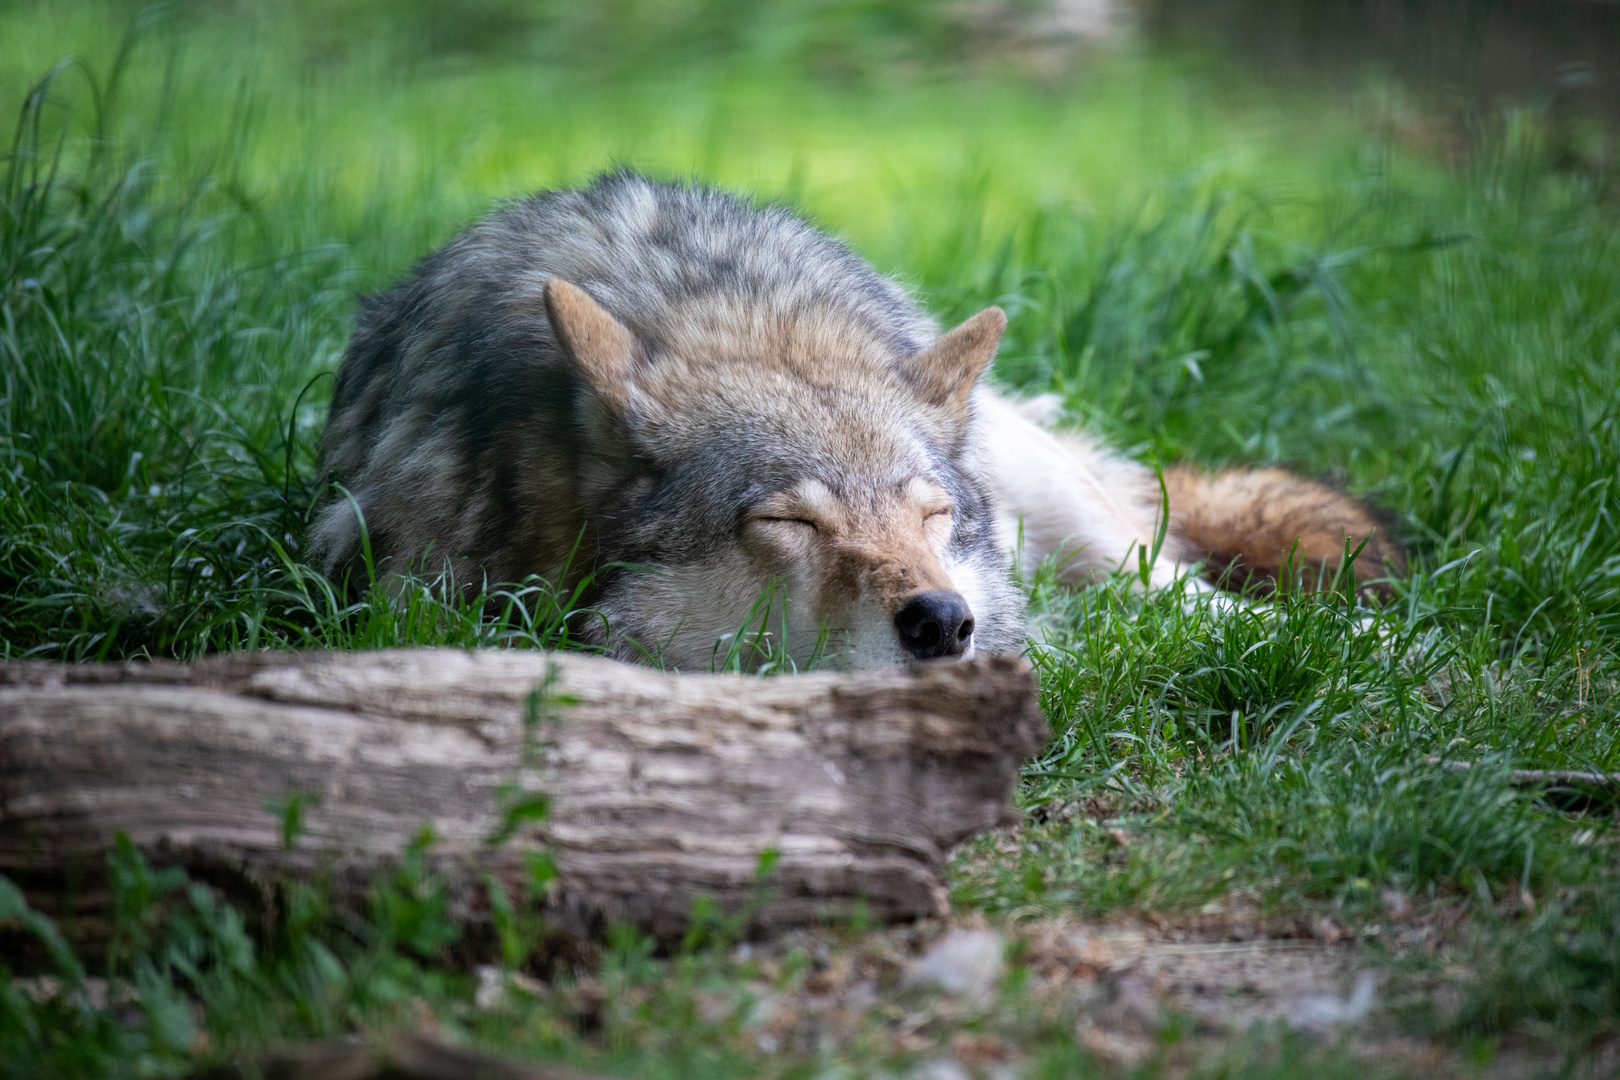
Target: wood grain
(660, 787)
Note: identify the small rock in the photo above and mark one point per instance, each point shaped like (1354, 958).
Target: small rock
(491, 991)
(495, 986)
(767, 1003)
(968, 964)
(43, 988)
(1322, 1012)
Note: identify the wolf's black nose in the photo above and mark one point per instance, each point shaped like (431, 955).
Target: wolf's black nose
(935, 624)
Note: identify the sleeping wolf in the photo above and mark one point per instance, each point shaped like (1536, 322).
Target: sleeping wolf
(705, 402)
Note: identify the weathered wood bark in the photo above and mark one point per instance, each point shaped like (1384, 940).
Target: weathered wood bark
(660, 787)
(1565, 789)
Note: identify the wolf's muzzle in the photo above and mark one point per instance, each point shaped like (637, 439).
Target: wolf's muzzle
(935, 624)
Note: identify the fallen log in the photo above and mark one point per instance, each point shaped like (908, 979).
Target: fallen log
(1571, 790)
(657, 788)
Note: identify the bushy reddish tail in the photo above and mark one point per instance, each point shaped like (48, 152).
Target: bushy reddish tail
(1245, 523)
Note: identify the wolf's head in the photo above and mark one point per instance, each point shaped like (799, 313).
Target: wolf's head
(779, 468)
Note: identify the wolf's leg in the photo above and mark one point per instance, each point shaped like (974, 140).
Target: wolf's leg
(1073, 499)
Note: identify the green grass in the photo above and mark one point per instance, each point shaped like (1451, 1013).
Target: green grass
(1203, 273)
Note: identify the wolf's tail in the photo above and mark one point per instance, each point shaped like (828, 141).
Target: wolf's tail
(1261, 526)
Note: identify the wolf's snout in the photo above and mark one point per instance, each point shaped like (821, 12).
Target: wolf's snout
(935, 624)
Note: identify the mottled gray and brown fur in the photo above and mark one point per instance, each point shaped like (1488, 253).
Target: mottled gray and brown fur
(705, 397)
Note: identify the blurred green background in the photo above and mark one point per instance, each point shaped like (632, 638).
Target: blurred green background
(894, 122)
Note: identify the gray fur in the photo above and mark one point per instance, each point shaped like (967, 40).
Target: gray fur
(465, 432)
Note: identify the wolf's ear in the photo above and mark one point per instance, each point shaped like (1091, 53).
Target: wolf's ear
(601, 346)
(945, 374)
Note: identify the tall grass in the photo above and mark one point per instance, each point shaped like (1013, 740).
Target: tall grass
(1198, 273)
(154, 440)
